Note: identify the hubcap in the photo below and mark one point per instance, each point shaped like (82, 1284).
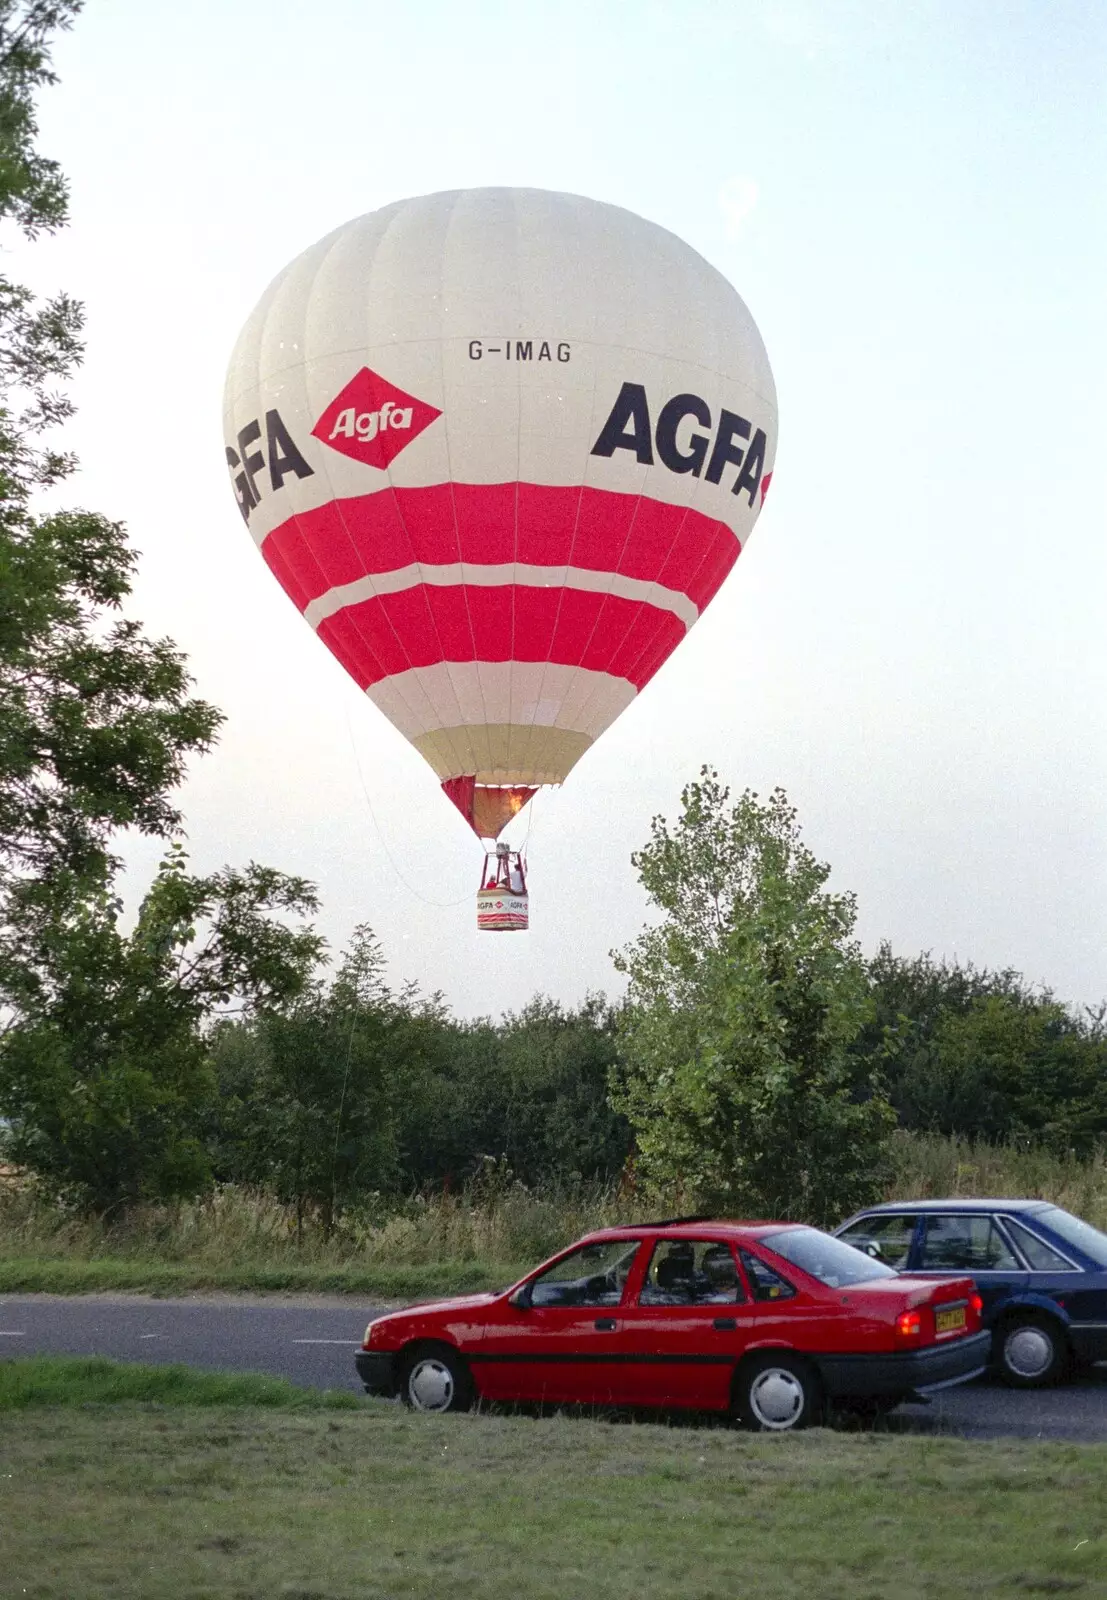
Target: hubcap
(776, 1398)
(430, 1385)
(1028, 1352)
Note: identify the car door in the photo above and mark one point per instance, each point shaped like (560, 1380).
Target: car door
(955, 1243)
(794, 1313)
(1056, 1276)
(688, 1326)
(565, 1338)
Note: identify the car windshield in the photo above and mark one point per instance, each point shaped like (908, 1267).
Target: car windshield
(830, 1260)
(1074, 1231)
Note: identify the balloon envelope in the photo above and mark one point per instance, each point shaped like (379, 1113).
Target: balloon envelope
(500, 447)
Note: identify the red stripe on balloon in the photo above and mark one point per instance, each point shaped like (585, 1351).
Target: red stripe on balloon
(569, 627)
(597, 529)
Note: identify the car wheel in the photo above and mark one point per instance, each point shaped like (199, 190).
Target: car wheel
(1030, 1351)
(775, 1393)
(436, 1379)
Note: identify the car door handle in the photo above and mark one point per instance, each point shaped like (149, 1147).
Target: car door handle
(726, 1324)
(605, 1324)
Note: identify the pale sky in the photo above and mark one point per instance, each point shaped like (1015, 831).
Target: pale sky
(910, 198)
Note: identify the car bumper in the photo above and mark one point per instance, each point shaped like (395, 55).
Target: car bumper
(377, 1371)
(938, 1366)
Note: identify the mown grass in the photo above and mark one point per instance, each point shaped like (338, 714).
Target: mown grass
(135, 1275)
(185, 1501)
(485, 1237)
(93, 1380)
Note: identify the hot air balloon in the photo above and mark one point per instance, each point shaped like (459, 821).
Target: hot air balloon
(500, 447)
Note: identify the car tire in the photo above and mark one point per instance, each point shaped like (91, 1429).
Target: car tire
(435, 1379)
(777, 1393)
(1030, 1351)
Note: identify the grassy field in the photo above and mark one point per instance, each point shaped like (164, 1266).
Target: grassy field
(145, 1274)
(484, 1239)
(291, 1498)
(36, 1381)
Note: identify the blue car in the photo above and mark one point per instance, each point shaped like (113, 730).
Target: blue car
(1041, 1272)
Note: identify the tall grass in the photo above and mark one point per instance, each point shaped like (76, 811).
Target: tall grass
(488, 1233)
(929, 1167)
(237, 1229)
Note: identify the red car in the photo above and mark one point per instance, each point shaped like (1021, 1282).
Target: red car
(766, 1320)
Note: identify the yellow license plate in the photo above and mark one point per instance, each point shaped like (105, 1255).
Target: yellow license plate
(951, 1317)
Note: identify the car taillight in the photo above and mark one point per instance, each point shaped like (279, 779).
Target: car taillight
(367, 1341)
(909, 1325)
(976, 1304)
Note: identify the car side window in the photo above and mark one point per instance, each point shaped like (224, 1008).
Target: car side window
(691, 1272)
(1039, 1255)
(885, 1236)
(765, 1284)
(966, 1244)
(593, 1275)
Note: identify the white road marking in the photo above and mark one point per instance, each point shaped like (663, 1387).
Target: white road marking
(153, 1335)
(12, 1333)
(353, 1343)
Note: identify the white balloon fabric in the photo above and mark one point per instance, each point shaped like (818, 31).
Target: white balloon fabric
(500, 447)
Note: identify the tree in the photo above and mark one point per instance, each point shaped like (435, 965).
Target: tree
(984, 1054)
(1026, 1072)
(309, 1099)
(102, 1055)
(96, 719)
(743, 1001)
(912, 998)
(104, 1072)
(530, 1089)
(558, 1120)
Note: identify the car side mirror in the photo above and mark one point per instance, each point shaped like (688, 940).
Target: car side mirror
(521, 1297)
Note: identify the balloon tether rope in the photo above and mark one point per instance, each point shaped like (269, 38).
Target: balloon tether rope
(441, 905)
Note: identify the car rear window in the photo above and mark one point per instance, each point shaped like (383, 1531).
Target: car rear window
(1073, 1231)
(765, 1283)
(1040, 1257)
(832, 1261)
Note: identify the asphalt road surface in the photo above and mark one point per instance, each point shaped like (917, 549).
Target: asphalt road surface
(311, 1340)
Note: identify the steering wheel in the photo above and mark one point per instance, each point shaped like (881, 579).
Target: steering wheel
(602, 1283)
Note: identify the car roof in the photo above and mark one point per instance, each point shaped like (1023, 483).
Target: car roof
(690, 1230)
(959, 1203)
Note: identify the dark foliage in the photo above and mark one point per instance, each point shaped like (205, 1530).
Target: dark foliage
(360, 1091)
(985, 1054)
(96, 719)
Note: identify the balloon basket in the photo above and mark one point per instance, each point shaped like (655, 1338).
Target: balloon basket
(503, 905)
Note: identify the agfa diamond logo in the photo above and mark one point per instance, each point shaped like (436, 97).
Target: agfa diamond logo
(372, 421)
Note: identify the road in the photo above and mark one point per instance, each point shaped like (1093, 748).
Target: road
(311, 1340)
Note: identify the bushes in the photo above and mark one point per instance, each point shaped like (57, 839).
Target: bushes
(362, 1090)
(984, 1055)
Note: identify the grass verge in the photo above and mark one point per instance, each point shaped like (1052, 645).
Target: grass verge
(62, 1275)
(92, 1380)
(195, 1500)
